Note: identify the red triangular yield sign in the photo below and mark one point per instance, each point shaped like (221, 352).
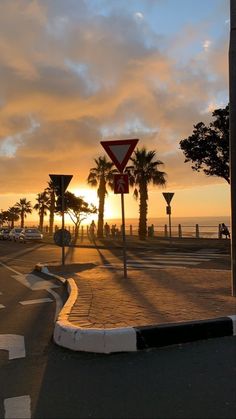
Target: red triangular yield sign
(60, 182)
(120, 151)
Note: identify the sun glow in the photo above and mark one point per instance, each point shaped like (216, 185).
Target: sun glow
(90, 196)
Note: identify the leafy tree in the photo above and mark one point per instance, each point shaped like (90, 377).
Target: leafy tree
(52, 203)
(208, 146)
(143, 172)
(42, 206)
(101, 176)
(25, 208)
(78, 210)
(13, 215)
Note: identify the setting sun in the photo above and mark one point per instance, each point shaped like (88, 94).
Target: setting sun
(112, 202)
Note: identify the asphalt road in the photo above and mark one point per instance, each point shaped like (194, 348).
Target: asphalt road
(41, 380)
(24, 256)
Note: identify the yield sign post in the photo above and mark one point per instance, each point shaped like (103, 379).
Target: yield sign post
(60, 183)
(168, 197)
(119, 152)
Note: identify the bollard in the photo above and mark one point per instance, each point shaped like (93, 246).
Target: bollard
(180, 230)
(165, 231)
(197, 231)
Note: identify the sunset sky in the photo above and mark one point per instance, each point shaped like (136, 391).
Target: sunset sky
(75, 72)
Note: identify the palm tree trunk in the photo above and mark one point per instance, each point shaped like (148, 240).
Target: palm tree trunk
(41, 217)
(101, 213)
(22, 216)
(143, 212)
(51, 214)
(232, 136)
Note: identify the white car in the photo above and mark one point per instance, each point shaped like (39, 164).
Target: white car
(14, 233)
(30, 234)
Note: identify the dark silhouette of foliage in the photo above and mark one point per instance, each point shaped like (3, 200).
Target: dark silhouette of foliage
(13, 215)
(78, 210)
(25, 208)
(208, 147)
(42, 206)
(52, 203)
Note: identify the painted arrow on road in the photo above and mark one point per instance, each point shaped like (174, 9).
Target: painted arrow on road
(14, 344)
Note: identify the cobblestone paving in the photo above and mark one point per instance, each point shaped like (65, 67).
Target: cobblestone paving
(107, 300)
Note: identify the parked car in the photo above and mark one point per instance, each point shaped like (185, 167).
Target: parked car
(4, 233)
(30, 234)
(14, 233)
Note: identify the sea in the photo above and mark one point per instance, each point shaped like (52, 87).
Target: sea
(206, 226)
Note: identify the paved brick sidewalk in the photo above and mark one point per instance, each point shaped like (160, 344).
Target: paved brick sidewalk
(107, 300)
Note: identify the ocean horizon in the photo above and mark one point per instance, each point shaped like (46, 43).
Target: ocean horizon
(156, 221)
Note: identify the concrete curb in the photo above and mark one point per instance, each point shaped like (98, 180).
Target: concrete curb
(130, 339)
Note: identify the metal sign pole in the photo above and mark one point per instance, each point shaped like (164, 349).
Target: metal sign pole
(170, 221)
(232, 139)
(123, 235)
(63, 221)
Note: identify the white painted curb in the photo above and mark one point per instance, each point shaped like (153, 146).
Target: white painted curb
(108, 341)
(89, 340)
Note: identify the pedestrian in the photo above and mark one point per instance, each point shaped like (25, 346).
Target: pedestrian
(107, 229)
(92, 229)
(224, 231)
(113, 230)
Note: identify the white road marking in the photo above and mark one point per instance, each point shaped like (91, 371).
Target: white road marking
(195, 254)
(34, 282)
(17, 407)
(8, 267)
(14, 344)
(173, 259)
(38, 301)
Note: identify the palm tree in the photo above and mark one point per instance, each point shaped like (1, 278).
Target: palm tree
(52, 203)
(25, 208)
(13, 215)
(101, 176)
(143, 172)
(42, 206)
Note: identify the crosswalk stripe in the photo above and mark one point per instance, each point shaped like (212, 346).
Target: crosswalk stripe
(38, 301)
(17, 407)
(197, 258)
(173, 259)
(212, 255)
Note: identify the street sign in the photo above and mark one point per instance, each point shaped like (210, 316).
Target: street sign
(58, 237)
(121, 183)
(120, 151)
(60, 183)
(168, 196)
(168, 210)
